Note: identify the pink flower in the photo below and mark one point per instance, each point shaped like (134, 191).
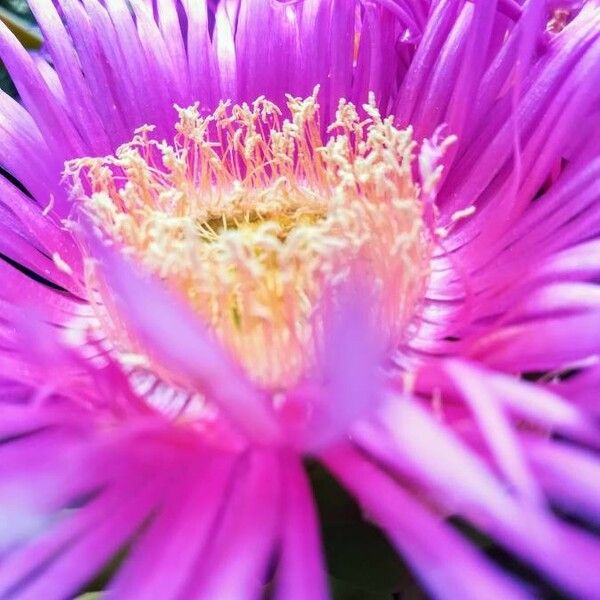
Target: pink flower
(367, 234)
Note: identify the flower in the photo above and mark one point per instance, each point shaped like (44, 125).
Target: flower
(242, 233)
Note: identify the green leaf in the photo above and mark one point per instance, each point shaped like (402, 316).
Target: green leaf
(18, 7)
(334, 504)
(342, 590)
(102, 579)
(359, 558)
(358, 554)
(26, 32)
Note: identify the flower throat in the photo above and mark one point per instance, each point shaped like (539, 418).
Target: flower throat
(256, 219)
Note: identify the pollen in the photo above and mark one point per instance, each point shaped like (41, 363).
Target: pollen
(257, 214)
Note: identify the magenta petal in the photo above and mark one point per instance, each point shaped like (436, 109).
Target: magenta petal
(582, 389)
(413, 86)
(170, 27)
(202, 66)
(20, 290)
(541, 406)
(244, 539)
(90, 460)
(225, 50)
(428, 453)
(498, 432)
(58, 563)
(579, 262)
(77, 93)
(301, 571)
(348, 368)
(171, 334)
(570, 476)
(166, 555)
(23, 151)
(93, 50)
(49, 116)
(412, 441)
(267, 43)
(544, 344)
(445, 563)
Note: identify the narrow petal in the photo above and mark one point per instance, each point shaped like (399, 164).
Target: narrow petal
(497, 431)
(58, 564)
(239, 555)
(349, 363)
(442, 559)
(173, 335)
(49, 116)
(427, 452)
(201, 60)
(570, 476)
(60, 47)
(543, 344)
(301, 571)
(166, 555)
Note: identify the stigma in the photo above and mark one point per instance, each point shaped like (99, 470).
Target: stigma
(256, 214)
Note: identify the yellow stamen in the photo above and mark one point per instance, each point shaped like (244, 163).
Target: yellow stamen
(255, 218)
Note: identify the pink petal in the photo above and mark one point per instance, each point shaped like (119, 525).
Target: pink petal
(165, 557)
(172, 335)
(497, 431)
(301, 571)
(239, 555)
(445, 563)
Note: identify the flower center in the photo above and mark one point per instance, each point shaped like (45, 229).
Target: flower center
(257, 219)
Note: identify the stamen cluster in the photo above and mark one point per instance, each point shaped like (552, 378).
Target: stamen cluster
(256, 218)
